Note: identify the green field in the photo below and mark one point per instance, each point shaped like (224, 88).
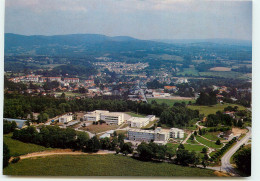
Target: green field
(191, 141)
(230, 74)
(197, 148)
(170, 102)
(135, 115)
(18, 148)
(208, 143)
(206, 110)
(212, 136)
(69, 94)
(172, 146)
(99, 165)
(189, 72)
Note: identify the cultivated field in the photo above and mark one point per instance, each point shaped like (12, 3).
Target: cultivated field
(229, 74)
(189, 72)
(220, 69)
(99, 165)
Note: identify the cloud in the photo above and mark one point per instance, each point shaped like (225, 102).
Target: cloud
(47, 5)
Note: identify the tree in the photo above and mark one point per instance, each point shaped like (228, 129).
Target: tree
(144, 151)
(218, 142)
(181, 146)
(192, 137)
(204, 150)
(9, 126)
(204, 163)
(6, 155)
(243, 160)
(62, 96)
(82, 140)
(127, 148)
(169, 152)
(121, 138)
(195, 133)
(184, 157)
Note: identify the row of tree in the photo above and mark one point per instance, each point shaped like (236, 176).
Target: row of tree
(178, 116)
(9, 126)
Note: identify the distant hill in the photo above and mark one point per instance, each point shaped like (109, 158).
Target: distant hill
(75, 44)
(125, 48)
(214, 41)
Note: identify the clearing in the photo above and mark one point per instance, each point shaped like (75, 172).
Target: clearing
(206, 110)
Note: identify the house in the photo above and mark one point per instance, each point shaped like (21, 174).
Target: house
(65, 118)
(171, 88)
(58, 79)
(71, 80)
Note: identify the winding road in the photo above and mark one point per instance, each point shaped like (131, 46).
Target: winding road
(225, 160)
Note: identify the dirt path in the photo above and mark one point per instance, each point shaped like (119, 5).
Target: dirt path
(61, 152)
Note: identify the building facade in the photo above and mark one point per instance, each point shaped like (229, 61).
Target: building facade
(109, 117)
(65, 118)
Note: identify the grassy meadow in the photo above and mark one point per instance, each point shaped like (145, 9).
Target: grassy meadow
(18, 148)
(206, 110)
(99, 165)
(208, 143)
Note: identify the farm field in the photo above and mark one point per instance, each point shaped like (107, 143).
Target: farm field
(230, 74)
(18, 148)
(208, 143)
(189, 72)
(170, 102)
(99, 165)
(206, 110)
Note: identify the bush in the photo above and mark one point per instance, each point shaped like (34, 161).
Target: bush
(16, 159)
(6, 155)
(218, 142)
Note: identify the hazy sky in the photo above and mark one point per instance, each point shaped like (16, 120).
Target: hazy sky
(144, 19)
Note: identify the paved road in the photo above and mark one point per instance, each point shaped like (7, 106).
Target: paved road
(225, 161)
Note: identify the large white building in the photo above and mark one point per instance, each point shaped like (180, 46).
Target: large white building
(138, 122)
(176, 133)
(109, 117)
(158, 135)
(65, 118)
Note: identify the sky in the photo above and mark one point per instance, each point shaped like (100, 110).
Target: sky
(142, 19)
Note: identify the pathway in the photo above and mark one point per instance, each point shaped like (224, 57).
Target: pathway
(61, 152)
